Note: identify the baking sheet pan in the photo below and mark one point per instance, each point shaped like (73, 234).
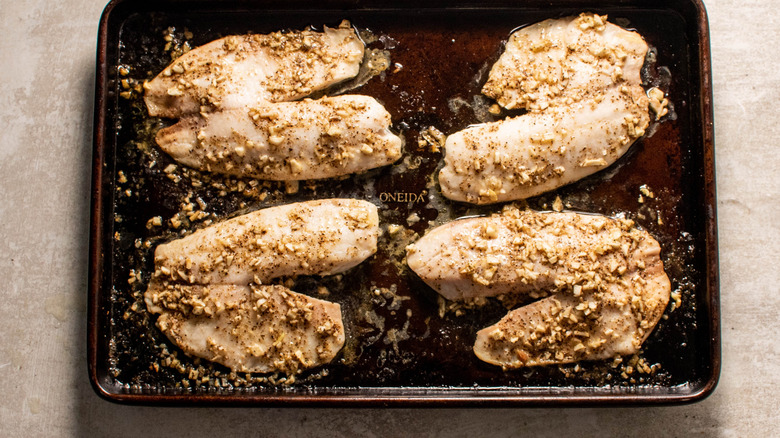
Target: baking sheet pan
(404, 345)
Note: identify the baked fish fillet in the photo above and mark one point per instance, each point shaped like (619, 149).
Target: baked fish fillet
(560, 61)
(605, 279)
(309, 139)
(319, 237)
(524, 156)
(248, 328)
(579, 79)
(244, 70)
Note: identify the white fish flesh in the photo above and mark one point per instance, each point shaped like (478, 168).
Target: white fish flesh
(579, 79)
(601, 280)
(210, 291)
(321, 237)
(240, 71)
(248, 328)
(309, 139)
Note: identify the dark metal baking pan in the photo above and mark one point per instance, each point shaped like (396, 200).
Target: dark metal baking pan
(400, 350)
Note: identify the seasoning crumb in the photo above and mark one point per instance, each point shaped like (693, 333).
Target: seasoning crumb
(645, 190)
(658, 103)
(557, 204)
(432, 137)
(291, 187)
(154, 222)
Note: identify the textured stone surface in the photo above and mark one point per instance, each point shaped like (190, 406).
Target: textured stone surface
(47, 53)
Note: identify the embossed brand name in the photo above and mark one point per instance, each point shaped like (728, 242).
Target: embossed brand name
(402, 197)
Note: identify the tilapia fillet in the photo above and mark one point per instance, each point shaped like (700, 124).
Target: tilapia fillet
(321, 237)
(209, 287)
(310, 139)
(525, 156)
(560, 61)
(602, 279)
(240, 71)
(248, 328)
(579, 80)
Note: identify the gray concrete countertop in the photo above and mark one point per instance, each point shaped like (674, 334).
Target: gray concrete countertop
(47, 54)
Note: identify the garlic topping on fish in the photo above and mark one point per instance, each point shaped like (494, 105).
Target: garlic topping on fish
(560, 61)
(211, 293)
(248, 328)
(310, 139)
(602, 280)
(579, 79)
(240, 71)
(321, 237)
(237, 100)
